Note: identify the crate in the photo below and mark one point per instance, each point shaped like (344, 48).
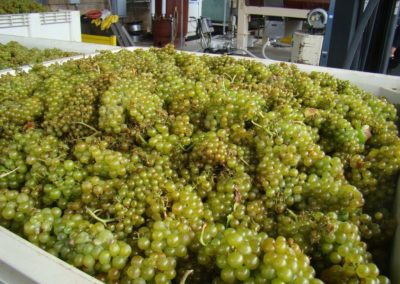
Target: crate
(70, 46)
(61, 25)
(107, 40)
(23, 263)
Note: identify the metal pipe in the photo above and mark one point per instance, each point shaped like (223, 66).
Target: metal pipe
(368, 40)
(224, 27)
(181, 26)
(153, 7)
(163, 7)
(372, 5)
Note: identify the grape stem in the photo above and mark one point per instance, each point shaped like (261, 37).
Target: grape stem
(244, 161)
(3, 175)
(291, 213)
(141, 138)
(185, 276)
(185, 149)
(94, 216)
(233, 79)
(265, 129)
(88, 126)
(223, 84)
(256, 124)
(202, 234)
(228, 76)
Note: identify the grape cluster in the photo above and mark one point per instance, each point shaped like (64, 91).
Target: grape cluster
(13, 54)
(101, 161)
(158, 166)
(38, 229)
(15, 208)
(335, 246)
(91, 247)
(162, 243)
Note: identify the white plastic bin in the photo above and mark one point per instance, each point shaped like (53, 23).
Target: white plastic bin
(70, 46)
(62, 25)
(23, 263)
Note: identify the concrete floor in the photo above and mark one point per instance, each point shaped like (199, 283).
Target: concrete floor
(275, 53)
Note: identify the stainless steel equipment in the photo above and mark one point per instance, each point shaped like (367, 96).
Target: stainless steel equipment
(134, 27)
(317, 18)
(135, 30)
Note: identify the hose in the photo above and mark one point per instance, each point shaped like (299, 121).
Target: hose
(247, 52)
(263, 49)
(255, 56)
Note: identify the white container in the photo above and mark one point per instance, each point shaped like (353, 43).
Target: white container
(306, 48)
(62, 25)
(23, 263)
(70, 46)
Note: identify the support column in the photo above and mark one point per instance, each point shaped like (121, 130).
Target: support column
(243, 26)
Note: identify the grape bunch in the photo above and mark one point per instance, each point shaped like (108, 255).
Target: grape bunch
(90, 246)
(16, 208)
(161, 244)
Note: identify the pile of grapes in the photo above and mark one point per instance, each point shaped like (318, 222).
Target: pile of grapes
(21, 6)
(13, 55)
(160, 166)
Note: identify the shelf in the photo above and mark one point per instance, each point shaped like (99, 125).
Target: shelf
(244, 11)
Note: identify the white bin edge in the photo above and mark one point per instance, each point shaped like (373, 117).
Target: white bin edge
(64, 45)
(378, 84)
(22, 261)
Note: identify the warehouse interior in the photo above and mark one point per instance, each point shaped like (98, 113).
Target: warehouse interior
(274, 29)
(199, 141)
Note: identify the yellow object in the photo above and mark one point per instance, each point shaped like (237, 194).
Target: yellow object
(109, 40)
(97, 22)
(287, 40)
(106, 23)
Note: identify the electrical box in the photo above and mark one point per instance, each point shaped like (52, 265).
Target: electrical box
(74, 1)
(274, 29)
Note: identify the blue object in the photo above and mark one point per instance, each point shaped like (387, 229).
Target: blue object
(214, 9)
(327, 37)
